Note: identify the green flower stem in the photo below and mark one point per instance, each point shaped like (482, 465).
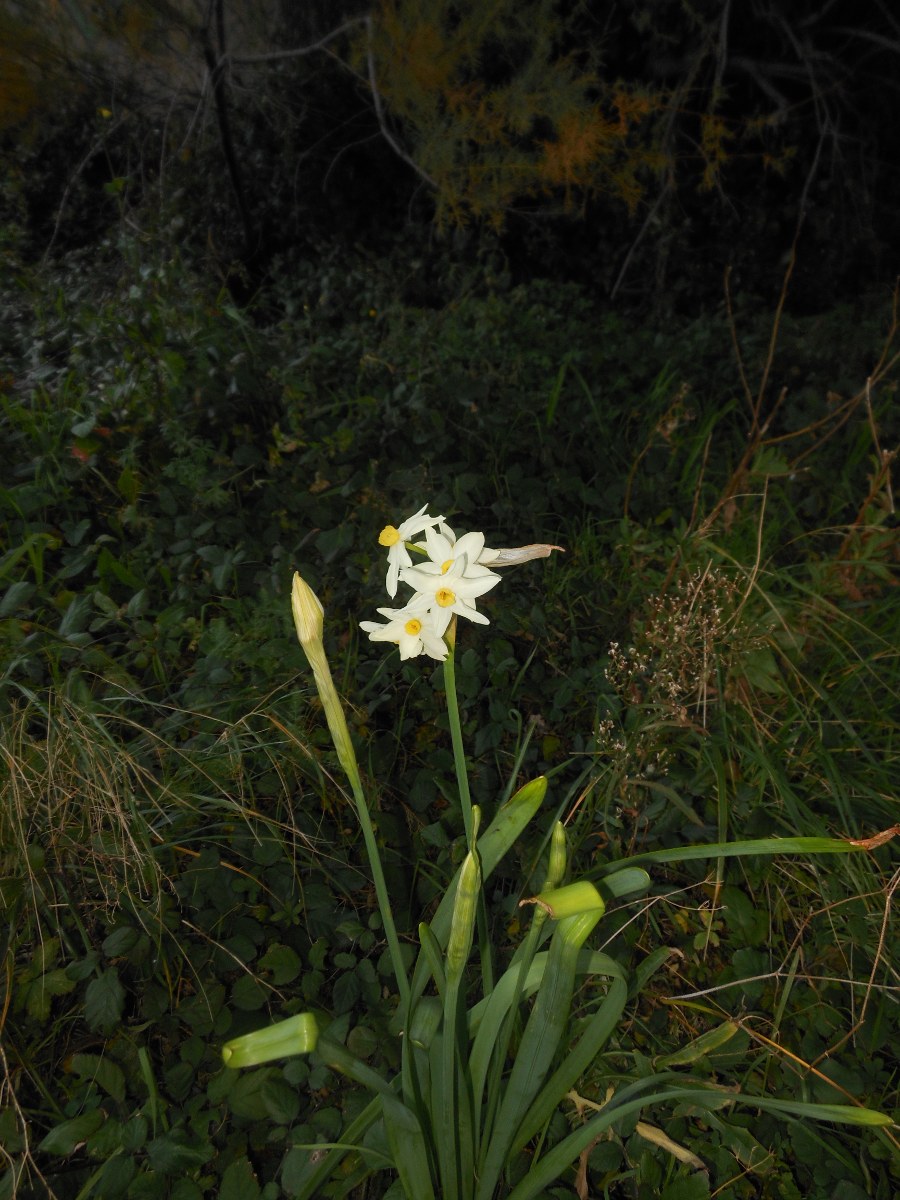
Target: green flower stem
(459, 757)
(308, 620)
(465, 797)
(384, 903)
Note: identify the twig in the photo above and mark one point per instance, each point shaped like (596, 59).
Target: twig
(738, 353)
(379, 113)
(96, 147)
(298, 51)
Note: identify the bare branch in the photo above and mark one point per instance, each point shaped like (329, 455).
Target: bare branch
(299, 51)
(379, 113)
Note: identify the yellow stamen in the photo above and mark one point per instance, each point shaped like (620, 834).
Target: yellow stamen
(389, 536)
(412, 627)
(445, 567)
(445, 597)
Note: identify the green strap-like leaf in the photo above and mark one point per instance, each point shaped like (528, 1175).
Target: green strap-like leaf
(559, 1159)
(506, 827)
(542, 1034)
(407, 1143)
(789, 845)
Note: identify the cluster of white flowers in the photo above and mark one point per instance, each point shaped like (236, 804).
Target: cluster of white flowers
(449, 579)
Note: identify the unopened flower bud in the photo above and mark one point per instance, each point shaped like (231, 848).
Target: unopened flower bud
(308, 612)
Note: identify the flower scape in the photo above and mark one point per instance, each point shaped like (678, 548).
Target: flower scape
(455, 573)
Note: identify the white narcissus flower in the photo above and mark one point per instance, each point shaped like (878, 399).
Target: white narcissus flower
(451, 591)
(411, 628)
(395, 537)
(447, 553)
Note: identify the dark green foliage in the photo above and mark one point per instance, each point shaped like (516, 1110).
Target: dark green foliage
(178, 864)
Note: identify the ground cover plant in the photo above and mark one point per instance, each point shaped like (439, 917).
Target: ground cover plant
(712, 660)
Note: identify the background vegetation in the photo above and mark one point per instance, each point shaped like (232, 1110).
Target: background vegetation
(220, 365)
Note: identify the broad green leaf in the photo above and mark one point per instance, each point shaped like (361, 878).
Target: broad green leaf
(185, 1189)
(120, 941)
(239, 1182)
(245, 1097)
(104, 1000)
(117, 1175)
(281, 1100)
(102, 1070)
(688, 1187)
(40, 992)
(16, 596)
(63, 1138)
(345, 993)
(176, 1152)
(12, 1138)
(283, 962)
(248, 994)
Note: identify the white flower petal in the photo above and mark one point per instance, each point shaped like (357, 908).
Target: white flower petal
(396, 630)
(470, 544)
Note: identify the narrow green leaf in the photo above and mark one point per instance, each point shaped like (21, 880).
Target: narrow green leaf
(623, 883)
(433, 955)
(542, 1034)
(407, 1145)
(558, 1160)
(303, 1178)
(506, 827)
(790, 845)
(599, 1029)
(705, 1044)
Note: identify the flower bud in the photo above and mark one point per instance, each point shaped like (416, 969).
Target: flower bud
(309, 615)
(296, 1035)
(556, 865)
(309, 619)
(468, 889)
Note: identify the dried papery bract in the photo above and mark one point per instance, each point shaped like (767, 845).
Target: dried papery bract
(296, 1035)
(513, 556)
